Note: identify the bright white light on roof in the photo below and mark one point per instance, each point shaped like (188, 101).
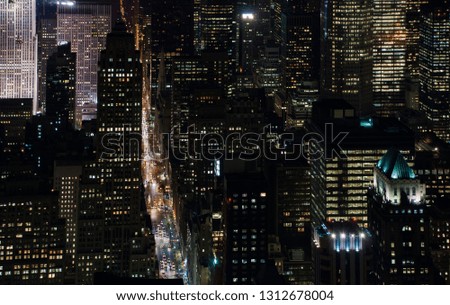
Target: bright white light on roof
(68, 3)
(248, 16)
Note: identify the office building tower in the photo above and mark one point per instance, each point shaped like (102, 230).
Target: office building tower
(399, 222)
(32, 237)
(46, 31)
(339, 187)
(113, 234)
(172, 26)
(218, 26)
(342, 254)
(413, 20)
(346, 51)
(66, 181)
(433, 168)
(60, 86)
(275, 20)
(246, 39)
(18, 50)
(293, 200)
(434, 58)
(268, 68)
(440, 232)
(299, 46)
(168, 32)
(300, 103)
(389, 56)
(192, 73)
(85, 25)
(414, 10)
(246, 204)
(14, 114)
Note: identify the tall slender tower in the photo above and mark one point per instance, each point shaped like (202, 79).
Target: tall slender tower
(60, 79)
(299, 44)
(434, 60)
(347, 52)
(18, 72)
(389, 55)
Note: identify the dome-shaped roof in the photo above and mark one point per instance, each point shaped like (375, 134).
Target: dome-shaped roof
(394, 166)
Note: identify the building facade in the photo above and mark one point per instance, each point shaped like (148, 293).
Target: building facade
(18, 50)
(85, 25)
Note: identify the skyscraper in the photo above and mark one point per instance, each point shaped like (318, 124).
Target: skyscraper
(32, 243)
(168, 32)
(414, 14)
(340, 182)
(342, 254)
(85, 25)
(347, 52)
(389, 56)
(60, 86)
(14, 114)
(18, 50)
(399, 222)
(299, 44)
(246, 38)
(46, 32)
(112, 232)
(66, 181)
(218, 26)
(246, 205)
(434, 59)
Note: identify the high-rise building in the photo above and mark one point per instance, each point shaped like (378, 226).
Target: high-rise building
(85, 25)
(342, 254)
(60, 86)
(66, 181)
(113, 235)
(32, 237)
(399, 222)
(340, 181)
(389, 56)
(168, 32)
(18, 50)
(246, 205)
(413, 18)
(246, 38)
(218, 26)
(433, 168)
(268, 68)
(14, 114)
(434, 59)
(300, 103)
(293, 200)
(347, 47)
(299, 45)
(46, 31)
(439, 233)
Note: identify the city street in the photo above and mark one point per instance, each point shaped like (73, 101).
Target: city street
(159, 199)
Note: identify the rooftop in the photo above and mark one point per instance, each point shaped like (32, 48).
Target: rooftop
(394, 166)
